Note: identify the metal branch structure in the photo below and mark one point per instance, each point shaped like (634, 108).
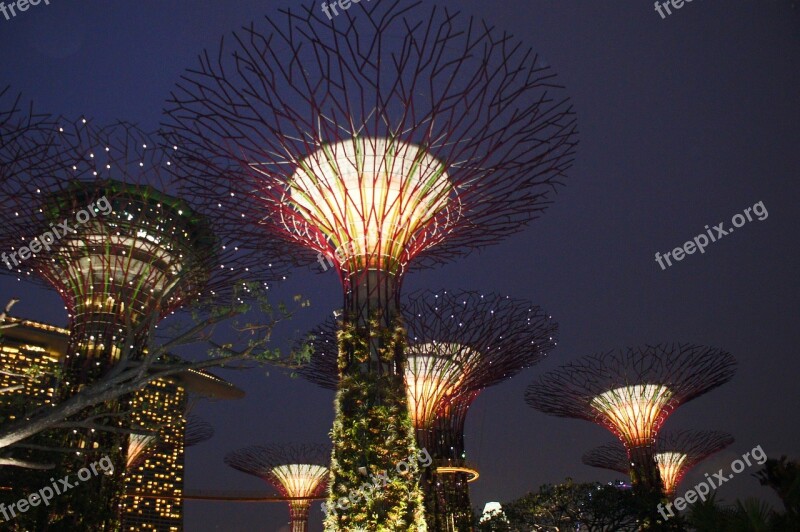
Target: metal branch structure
(92, 218)
(298, 471)
(676, 453)
(459, 343)
(396, 135)
(632, 392)
(197, 431)
(22, 131)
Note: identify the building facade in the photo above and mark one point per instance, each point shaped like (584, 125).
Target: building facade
(30, 359)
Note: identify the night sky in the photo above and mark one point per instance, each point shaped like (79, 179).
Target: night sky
(684, 122)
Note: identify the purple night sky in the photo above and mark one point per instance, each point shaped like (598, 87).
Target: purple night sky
(684, 122)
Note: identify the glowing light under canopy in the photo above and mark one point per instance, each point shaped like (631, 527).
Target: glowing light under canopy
(634, 412)
(378, 201)
(300, 480)
(672, 466)
(433, 378)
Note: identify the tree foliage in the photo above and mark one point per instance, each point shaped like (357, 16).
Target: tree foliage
(590, 507)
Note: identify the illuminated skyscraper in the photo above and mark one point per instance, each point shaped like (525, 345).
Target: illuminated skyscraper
(155, 463)
(161, 470)
(28, 348)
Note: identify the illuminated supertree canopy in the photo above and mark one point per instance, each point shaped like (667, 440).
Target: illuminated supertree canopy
(93, 219)
(298, 471)
(197, 431)
(459, 344)
(632, 392)
(118, 249)
(676, 453)
(395, 135)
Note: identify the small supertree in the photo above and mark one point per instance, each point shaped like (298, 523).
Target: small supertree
(459, 344)
(390, 135)
(632, 392)
(139, 446)
(197, 431)
(675, 453)
(89, 214)
(299, 472)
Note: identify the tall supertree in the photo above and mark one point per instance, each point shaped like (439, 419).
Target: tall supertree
(675, 453)
(459, 344)
(392, 136)
(299, 472)
(632, 392)
(93, 219)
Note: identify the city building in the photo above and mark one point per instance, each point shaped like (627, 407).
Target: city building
(30, 355)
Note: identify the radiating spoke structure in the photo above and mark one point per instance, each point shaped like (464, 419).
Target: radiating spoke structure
(459, 344)
(396, 135)
(676, 453)
(298, 472)
(91, 216)
(631, 393)
(139, 446)
(197, 431)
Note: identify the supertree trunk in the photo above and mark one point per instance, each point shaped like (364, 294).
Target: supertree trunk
(644, 469)
(372, 431)
(373, 307)
(298, 512)
(447, 502)
(449, 508)
(95, 346)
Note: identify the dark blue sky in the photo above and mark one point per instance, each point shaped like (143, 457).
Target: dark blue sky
(684, 122)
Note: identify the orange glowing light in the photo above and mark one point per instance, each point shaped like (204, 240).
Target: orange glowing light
(671, 466)
(370, 197)
(431, 379)
(634, 412)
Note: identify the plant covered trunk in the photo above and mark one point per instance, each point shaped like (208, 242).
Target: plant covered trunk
(374, 474)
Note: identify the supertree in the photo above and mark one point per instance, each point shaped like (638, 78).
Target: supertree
(298, 471)
(197, 431)
(93, 219)
(632, 392)
(675, 453)
(394, 135)
(459, 344)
